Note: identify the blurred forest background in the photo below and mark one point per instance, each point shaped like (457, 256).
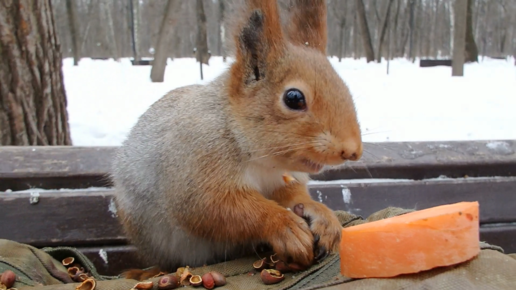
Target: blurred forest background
(397, 28)
(36, 35)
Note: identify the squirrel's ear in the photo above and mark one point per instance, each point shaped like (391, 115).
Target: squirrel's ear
(260, 41)
(306, 24)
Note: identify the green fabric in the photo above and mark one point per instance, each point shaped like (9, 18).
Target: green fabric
(492, 269)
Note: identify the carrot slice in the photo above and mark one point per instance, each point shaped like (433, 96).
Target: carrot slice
(439, 236)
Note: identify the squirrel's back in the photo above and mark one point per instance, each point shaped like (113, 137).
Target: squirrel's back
(156, 172)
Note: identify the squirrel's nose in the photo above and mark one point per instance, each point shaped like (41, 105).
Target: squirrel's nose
(351, 151)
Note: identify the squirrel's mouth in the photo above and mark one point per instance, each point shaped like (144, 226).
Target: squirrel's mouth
(311, 165)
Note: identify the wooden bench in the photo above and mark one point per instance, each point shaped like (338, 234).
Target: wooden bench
(61, 196)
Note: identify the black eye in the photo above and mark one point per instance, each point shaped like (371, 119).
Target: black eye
(295, 100)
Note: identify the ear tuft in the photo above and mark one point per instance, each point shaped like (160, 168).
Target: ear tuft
(306, 24)
(251, 41)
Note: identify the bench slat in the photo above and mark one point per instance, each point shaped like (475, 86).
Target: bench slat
(81, 167)
(88, 217)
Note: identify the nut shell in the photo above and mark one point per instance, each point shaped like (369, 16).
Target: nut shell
(282, 267)
(260, 264)
(218, 278)
(196, 280)
(143, 285)
(207, 281)
(68, 261)
(8, 278)
(88, 284)
(271, 276)
(168, 282)
(184, 279)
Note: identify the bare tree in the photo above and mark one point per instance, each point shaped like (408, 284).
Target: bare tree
(411, 31)
(32, 96)
(202, 55)
(134, 22)
(386, 21)
(338, 9)
(471, 46)
(364, 29)
(71, 9)
(459, 37)
(166, 32)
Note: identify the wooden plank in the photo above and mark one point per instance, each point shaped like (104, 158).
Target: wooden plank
(120, 258)
(57, 167)
(60, 218)
(497, 196)
(423, 160)
(87, 217)
(502, 235)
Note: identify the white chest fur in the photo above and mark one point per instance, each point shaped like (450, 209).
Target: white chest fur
(266, 179)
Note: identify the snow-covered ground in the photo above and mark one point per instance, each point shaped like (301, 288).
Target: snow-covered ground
(105, 98)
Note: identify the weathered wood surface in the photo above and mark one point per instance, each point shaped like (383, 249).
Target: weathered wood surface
(82, 167)
(60, 218)
(497, 196)
(89, 217)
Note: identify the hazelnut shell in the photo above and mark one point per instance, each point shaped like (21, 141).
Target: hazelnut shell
(271, 276)
(88, 284)
(68, 261)
(8, 278)
(207, 281)
(144, 285)
(168, 282)
(219, 279)
(196, 280)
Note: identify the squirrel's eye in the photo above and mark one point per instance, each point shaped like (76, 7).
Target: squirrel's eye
(295, 100)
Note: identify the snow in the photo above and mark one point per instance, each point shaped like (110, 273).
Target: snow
(105, 98)
(500, 147)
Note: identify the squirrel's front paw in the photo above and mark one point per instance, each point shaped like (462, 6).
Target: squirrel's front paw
(324, 225)
(292, 240)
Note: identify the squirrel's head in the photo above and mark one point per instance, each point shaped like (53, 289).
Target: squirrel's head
(285, 95)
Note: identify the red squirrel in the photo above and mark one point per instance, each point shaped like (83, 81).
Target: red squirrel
(199, 179)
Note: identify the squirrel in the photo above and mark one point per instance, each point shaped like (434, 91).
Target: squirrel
(200, 177)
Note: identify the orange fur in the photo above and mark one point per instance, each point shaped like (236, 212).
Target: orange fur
(208, 174)
(245, 216)
(307, 25)
(323, 221)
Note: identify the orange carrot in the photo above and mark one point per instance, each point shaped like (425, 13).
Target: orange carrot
(410, 243)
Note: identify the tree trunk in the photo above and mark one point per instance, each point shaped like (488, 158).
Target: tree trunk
(384, 30)
(459, 38)
(411, 31)
(364, 29)
(342, 25)
(71, 11)
(471, 46)
(166, 32)
(202, 38)
(134, 23)
(111, 39)
(452, 26)
(32, 95)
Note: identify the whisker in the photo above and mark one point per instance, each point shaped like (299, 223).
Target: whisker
(277, 147)
(289, 132)
(369, 152)
(350, 167)
(375, 132)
